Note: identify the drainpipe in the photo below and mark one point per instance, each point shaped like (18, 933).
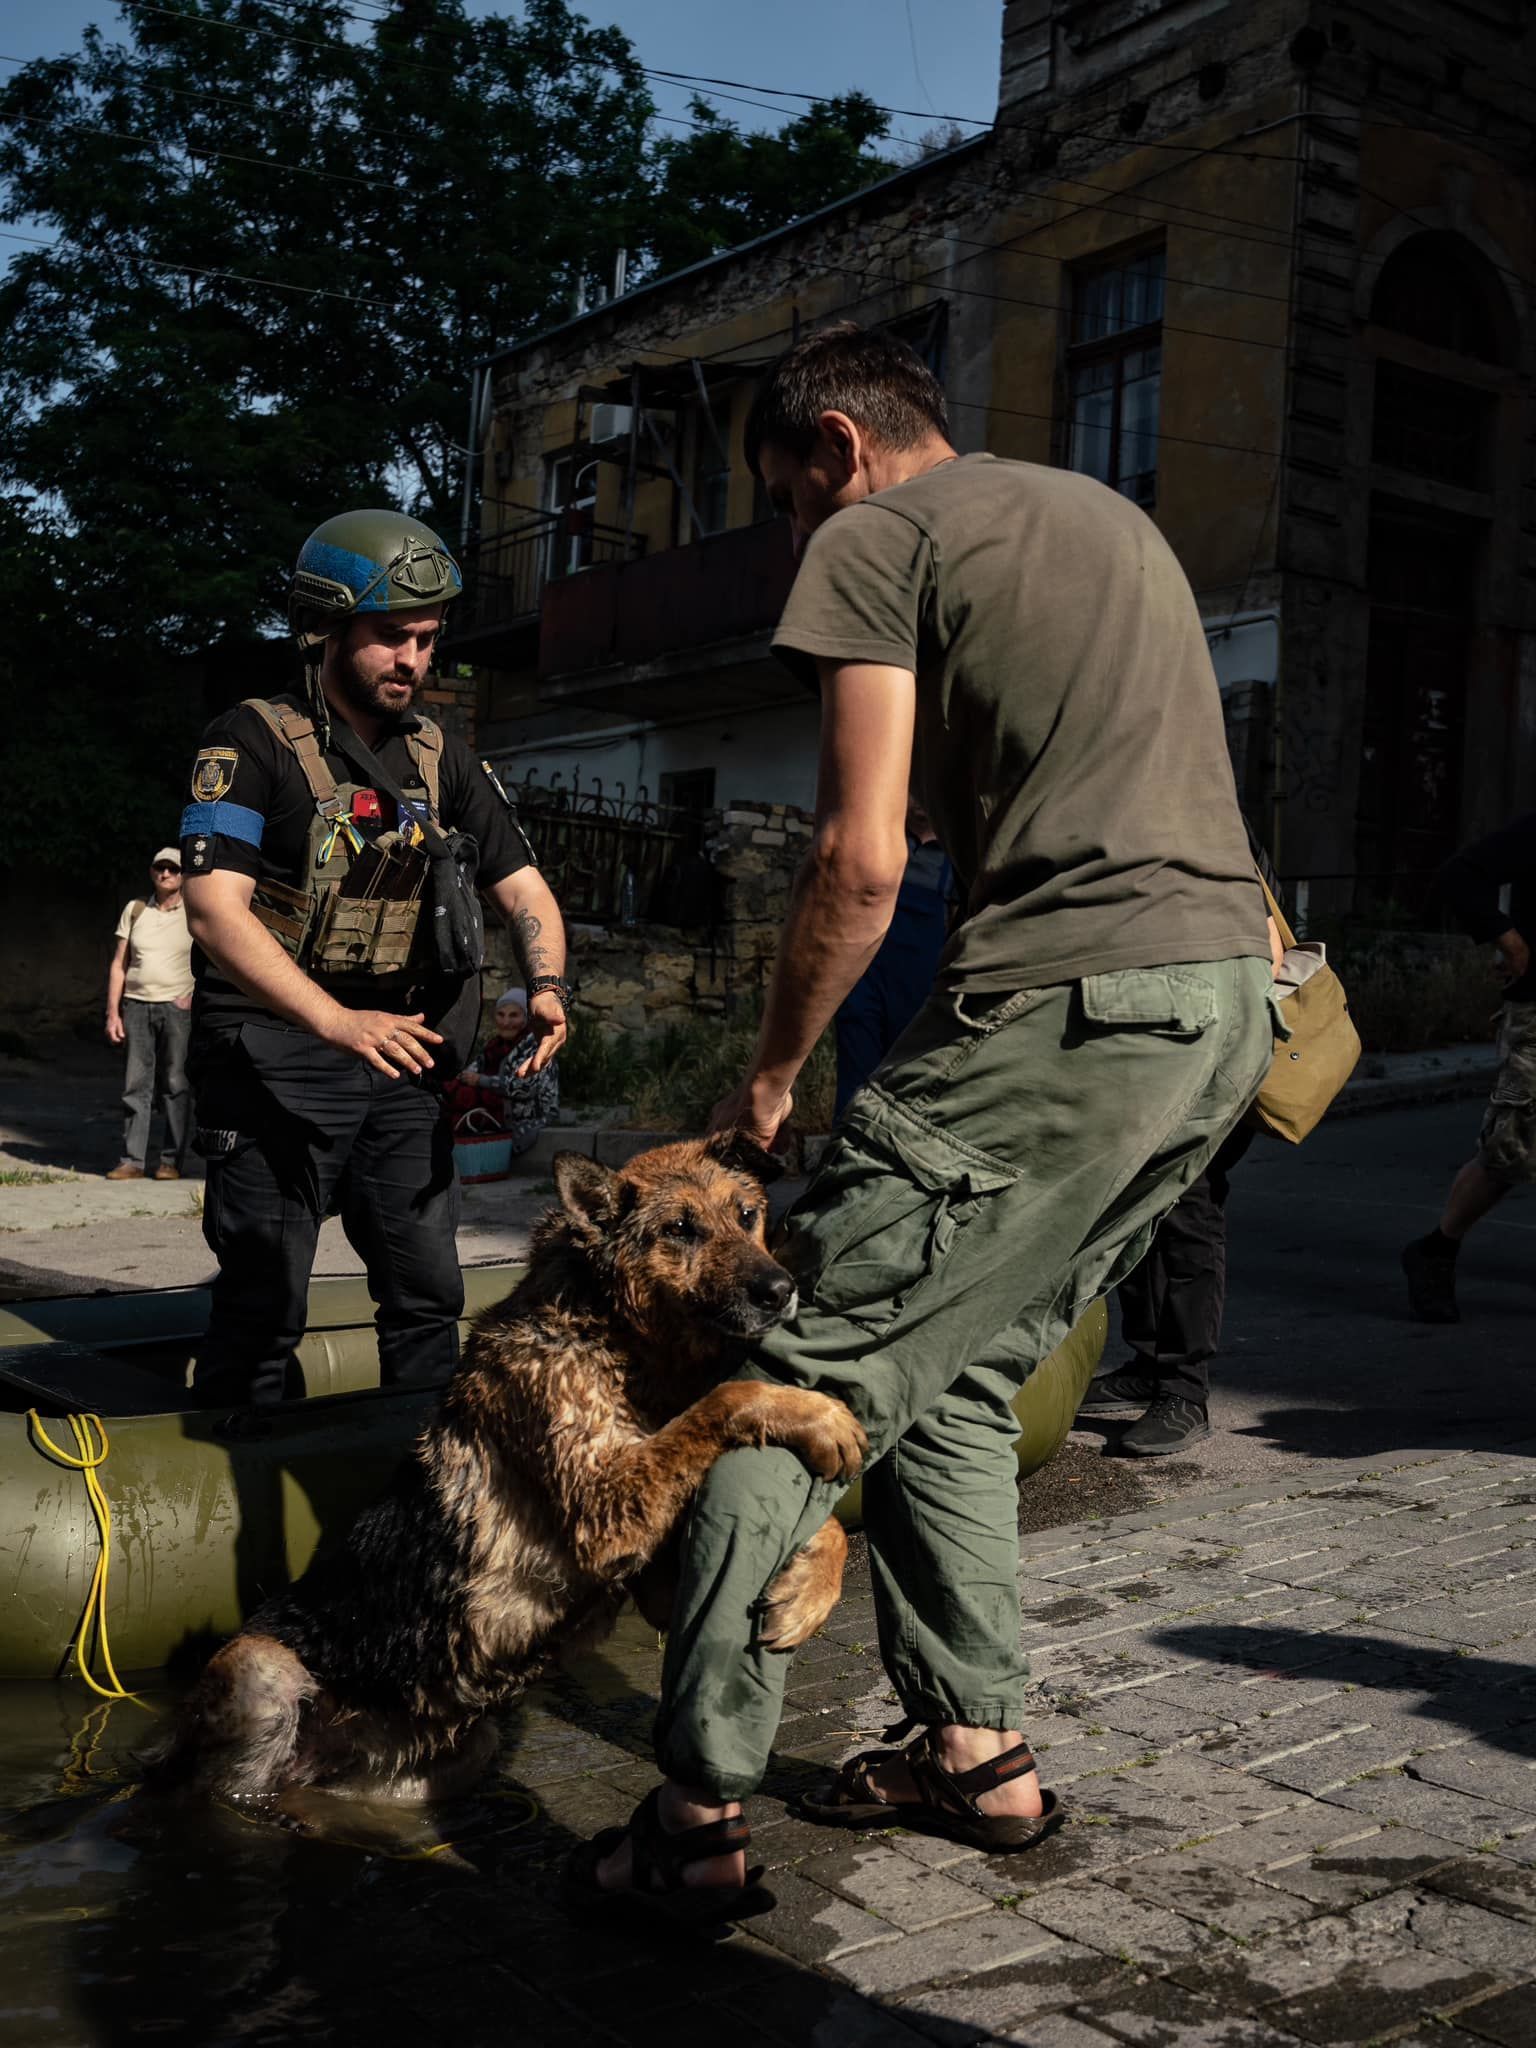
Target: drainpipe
(471, 452)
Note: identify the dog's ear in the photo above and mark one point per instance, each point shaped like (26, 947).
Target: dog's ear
(589, 1193)
(735, 1148)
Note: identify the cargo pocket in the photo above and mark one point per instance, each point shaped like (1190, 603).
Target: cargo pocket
(887, 1212)
(1158, 1000)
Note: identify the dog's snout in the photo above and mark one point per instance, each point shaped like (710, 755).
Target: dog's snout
(770, 1289)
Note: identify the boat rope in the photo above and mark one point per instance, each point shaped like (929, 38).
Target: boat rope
(94, 1614)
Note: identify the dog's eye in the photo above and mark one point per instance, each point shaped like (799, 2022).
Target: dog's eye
(682, 1226)
(748, 1218)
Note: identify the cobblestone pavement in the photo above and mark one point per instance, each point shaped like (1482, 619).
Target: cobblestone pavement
(1298, 1734)
(1296, 1729)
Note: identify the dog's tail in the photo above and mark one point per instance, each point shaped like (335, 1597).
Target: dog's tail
(237, 1735)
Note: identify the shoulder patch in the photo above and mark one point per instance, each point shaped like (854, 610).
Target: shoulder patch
(213, 772)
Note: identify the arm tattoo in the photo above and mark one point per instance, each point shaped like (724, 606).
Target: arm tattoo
(526, 929)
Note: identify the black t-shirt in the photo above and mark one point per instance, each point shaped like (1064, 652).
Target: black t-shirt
(250, 812)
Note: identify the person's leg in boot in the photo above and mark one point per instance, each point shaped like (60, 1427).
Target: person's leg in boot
(1505, 1158)
(1139, 1298)
(400, 1211)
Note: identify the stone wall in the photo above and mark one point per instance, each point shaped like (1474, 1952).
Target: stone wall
(643, 977)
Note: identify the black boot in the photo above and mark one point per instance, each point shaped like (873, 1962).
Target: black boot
(1431, 1272)
(1172, 1423)
(1123, 1388)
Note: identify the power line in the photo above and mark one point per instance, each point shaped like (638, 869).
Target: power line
(272, 284)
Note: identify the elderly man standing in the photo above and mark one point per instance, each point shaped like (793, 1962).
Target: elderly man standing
(1101, 1021)
(149, 1007)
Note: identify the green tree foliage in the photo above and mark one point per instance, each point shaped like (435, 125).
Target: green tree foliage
(278, 239)
(718, 187)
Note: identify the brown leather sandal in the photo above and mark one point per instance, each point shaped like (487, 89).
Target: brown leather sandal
(946, 1801)
(657, 1891)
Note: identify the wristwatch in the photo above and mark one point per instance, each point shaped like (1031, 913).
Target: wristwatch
(560, 989)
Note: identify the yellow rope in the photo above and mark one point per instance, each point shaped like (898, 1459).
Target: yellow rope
(94, 1612)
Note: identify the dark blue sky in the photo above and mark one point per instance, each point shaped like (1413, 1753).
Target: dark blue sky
(813, 46)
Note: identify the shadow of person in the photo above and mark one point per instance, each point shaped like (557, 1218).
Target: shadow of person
(1459, 1690)
(1428, 1423)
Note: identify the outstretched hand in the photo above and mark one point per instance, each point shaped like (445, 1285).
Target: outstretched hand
(548, 1021)
(385, 1041)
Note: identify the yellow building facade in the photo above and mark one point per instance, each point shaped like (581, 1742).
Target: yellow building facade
(1264, 267)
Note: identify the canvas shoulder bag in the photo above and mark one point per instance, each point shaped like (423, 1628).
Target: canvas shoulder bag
(1312, 1065)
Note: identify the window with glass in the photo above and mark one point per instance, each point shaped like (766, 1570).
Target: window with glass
(1114, 373)
(710, 481)
(570, 492)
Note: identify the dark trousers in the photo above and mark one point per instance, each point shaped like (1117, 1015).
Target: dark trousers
(292, 1130)
(1171, 1305)
(157, 1036)
(888, 995)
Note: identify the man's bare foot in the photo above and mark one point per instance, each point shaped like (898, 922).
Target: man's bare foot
(961, 1749)
(680, 1807)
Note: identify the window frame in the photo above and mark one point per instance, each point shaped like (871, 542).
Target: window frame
(1114, 349)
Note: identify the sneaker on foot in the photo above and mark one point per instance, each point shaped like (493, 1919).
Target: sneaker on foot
(1431, 1282)
(1123, 1388)
(167, 1172)
(126, 1171)
(1172, 1423)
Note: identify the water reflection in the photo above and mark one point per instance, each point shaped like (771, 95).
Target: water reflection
(121, 1920)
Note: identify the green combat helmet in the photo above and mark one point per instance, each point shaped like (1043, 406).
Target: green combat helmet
(368, 562)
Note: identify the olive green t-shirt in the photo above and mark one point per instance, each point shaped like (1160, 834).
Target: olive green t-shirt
(1069, 743)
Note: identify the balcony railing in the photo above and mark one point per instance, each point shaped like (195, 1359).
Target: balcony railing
(719, 589)
(506, 573)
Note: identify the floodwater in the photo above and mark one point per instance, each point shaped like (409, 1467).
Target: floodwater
(122, 1920)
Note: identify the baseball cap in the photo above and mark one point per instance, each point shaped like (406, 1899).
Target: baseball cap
(167, 853)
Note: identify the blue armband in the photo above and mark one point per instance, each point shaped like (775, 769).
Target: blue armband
(231, 821)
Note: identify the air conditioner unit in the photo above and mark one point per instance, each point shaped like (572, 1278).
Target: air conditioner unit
(610, 423)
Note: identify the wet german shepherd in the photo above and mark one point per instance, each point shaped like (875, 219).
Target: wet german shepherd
(585, 1413)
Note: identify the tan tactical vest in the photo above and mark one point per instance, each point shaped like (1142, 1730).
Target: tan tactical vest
(359, 912)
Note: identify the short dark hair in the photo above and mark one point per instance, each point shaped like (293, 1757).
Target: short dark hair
(883, 386)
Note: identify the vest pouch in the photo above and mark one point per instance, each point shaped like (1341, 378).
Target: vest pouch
(364, 935)
(369, 923)
(288, 914)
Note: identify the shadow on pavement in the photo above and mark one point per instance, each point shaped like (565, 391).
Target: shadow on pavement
(1490, 1696)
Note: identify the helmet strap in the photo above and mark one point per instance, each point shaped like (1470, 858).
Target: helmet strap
(311, 661)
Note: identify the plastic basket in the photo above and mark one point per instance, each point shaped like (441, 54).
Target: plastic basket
(481, 1155)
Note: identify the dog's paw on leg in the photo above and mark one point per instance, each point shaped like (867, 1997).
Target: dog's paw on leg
(807, 1590)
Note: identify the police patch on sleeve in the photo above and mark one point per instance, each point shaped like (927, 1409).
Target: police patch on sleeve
(213, 772)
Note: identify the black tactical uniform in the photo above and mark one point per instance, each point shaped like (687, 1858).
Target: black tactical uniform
(293, 1128)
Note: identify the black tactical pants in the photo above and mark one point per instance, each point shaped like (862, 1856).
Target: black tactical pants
(291, 1129)
(1171, 1306)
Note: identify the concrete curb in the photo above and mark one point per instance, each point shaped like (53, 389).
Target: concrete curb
(1419, 1077)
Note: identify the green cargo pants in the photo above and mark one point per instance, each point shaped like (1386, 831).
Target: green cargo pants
(1005, 1167)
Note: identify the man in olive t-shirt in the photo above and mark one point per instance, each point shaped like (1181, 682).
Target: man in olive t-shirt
(1026, 638)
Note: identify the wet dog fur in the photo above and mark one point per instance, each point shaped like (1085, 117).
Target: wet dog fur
(583, 1416)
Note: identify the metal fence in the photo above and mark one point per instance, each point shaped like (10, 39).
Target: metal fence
(616, 858)
(506, 572)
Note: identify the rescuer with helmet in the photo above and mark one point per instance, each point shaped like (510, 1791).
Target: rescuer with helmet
(333, 848)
